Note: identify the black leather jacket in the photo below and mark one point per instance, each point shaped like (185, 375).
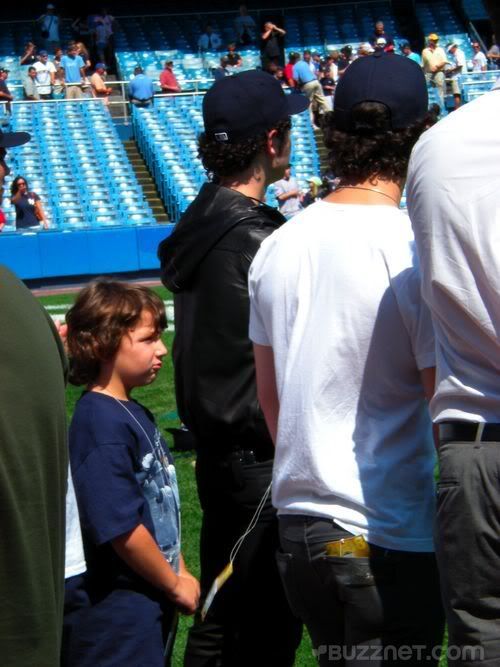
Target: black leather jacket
(205, 262)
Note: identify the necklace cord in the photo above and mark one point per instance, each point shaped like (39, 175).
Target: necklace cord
(357, 187)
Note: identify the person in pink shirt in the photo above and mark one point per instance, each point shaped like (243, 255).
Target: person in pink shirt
(168, 82)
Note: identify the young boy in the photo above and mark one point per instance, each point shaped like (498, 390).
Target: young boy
(120, 612)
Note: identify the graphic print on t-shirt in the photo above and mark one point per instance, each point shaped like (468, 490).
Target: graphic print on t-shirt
(158, 481)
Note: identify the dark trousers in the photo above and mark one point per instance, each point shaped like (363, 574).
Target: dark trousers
(468, 550)
(250, 622)
(384, 609)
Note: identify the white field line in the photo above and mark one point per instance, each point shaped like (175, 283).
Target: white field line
(58, 311)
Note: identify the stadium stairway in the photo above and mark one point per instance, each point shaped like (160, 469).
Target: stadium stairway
(404, 13)
(146, 182)
(322, 151)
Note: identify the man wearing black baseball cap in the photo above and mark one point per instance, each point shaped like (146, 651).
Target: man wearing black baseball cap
(8, 140)
(245, 147)
(344, 355)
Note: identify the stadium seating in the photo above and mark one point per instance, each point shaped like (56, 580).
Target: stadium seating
(77, 164)
(475, 84)
(438, 16)
(475, 10)
(334, 26)
(178, 32)
(188, 67)
(15, 34)
(166, 135)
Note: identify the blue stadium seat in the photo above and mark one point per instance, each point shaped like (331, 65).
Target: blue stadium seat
(166, 135)
(78, 165)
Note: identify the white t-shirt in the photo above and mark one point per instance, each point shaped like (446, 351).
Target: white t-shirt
(292, 205)
(43, 72)
(479, 61)
(336, 294)
(453, 195)
(458, 60)
(75, 556)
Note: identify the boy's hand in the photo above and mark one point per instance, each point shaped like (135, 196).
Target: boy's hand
(186, 594)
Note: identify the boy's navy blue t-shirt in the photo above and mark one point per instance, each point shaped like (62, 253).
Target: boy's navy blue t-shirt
(124, 476)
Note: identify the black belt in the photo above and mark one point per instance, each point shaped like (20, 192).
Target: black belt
(248, 456)
(459, 431)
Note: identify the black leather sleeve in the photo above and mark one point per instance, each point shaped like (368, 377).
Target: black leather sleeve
(213, 356)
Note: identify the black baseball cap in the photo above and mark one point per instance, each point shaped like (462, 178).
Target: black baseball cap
(247, 104)
(386, 78)
(11, 139)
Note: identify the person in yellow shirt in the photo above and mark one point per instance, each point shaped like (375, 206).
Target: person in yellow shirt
(433, 62)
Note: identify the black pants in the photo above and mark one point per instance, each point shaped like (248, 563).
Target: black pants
(468, 550)
(250, 622)
(383, 610)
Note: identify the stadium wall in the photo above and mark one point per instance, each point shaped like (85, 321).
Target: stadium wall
(88, 252)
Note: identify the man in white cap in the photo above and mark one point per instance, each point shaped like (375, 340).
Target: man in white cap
(458, 65)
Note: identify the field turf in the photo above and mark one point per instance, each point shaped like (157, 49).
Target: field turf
(160, 399)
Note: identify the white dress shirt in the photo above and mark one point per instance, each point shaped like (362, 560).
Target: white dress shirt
(453, 194)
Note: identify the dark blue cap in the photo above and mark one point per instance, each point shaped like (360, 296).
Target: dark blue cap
(246, 105)
(386, 78)
(11, 139)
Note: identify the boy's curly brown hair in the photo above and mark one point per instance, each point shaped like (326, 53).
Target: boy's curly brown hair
(103, 313)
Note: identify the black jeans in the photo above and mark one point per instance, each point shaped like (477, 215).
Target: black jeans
(468, 549)
(384, 609)
(250, 622)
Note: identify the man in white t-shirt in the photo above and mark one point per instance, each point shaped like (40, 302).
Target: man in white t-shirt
(454, 204)
(287, 193)
(457, 66)
(344, 352)
(45, 75)
(479, 60)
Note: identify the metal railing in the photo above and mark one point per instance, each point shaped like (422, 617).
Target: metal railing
(123, 100)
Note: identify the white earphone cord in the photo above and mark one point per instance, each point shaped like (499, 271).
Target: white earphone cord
(251, 525)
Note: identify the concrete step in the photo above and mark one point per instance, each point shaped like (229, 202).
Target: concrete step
(151, 194)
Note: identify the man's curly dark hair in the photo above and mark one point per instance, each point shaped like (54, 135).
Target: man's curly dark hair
(372, 149)
(226, 159)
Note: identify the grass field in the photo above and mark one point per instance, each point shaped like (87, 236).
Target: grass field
(160, 399)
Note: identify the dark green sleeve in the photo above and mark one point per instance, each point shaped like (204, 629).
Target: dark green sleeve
(33, 479)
